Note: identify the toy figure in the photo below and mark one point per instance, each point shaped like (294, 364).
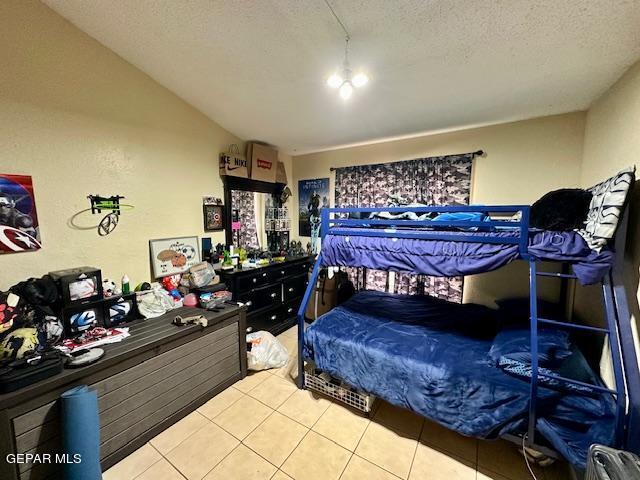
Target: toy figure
(170, 284)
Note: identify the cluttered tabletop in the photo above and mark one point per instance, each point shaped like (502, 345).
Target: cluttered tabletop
(130, 338)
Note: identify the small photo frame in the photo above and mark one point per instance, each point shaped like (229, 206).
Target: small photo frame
(213, 218)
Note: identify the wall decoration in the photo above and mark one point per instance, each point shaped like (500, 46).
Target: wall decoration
(213, 218)
(170, 256)
(213, 209)
(19, 228)
(313, 195)
(112, 210)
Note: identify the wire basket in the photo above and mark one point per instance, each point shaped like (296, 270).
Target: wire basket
(359, 400)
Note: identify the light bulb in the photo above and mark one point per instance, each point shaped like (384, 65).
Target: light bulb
(360, 80)
(334, 81)
(346, 90)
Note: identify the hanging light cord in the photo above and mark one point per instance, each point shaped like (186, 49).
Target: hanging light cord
(335, 15)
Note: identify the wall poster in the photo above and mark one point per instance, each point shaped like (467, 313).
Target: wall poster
(19, 228)
(313, 195)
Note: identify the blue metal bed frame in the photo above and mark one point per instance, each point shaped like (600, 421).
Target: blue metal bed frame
(618, 319)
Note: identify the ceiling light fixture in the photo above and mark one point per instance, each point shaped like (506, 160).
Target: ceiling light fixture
(345, 81)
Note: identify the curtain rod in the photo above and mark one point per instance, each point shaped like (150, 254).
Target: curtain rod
(477, 153)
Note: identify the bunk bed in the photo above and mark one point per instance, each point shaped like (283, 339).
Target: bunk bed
(444, 360)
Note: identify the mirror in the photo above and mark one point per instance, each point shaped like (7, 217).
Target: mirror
(257, 218)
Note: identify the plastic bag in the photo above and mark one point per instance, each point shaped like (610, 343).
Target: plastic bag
(155, 302)
(266, 352)
(201, 274)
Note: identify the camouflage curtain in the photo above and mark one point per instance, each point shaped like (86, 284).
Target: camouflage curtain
(432, 181)
(244, 203)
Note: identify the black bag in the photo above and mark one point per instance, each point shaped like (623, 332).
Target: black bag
(345, 289)
(20, 373)
(561, 210)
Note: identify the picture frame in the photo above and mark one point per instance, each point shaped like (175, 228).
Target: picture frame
(213, 218)
(171, 256)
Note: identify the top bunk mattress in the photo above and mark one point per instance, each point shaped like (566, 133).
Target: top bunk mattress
(453, 258)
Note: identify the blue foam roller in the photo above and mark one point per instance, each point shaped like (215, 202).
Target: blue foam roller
(81, 434)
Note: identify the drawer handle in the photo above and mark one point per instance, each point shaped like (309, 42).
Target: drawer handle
(273, 317)
(291, 289)
(273, 295)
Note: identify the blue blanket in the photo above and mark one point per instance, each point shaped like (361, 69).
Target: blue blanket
(450, 259)
(431, 356)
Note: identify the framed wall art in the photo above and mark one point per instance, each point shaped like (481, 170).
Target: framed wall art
(213, 218)
(170, 256)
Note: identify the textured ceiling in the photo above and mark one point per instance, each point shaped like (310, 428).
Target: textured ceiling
(258, 67)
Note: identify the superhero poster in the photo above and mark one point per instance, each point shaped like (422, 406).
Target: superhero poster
(19, 230)
(313, 195)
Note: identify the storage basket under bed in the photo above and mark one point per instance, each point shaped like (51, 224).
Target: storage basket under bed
(359, 400)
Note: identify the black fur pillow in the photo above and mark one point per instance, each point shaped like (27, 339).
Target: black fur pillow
(561, 210)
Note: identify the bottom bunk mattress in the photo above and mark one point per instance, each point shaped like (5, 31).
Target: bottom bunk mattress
(432, 357)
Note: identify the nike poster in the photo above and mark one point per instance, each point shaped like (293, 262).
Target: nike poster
(19, 229)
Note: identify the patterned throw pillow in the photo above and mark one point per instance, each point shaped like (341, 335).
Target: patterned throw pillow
(605, 209)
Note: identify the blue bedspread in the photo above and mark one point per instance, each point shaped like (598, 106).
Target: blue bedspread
(450, 259)
(431, 356)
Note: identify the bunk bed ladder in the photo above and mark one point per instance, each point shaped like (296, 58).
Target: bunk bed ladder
(611, 331)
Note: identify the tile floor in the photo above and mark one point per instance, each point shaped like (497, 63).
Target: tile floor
(263, 427)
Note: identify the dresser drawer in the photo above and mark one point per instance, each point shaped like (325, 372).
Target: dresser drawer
(253, 280)
(290, 308)
(297, 269)
(295, 286)
(268, 296)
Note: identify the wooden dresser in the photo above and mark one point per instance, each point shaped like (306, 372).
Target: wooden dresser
(145, 384)
(271, 293)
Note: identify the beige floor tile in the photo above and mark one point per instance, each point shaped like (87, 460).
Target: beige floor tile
(398, 418)
(503, 457)
(242, 464)
(432, 464)
(360, 469)
(292, 332)
(252, 380)
(280, 475)
(133, 465)
(161, 470)
(316, 458)
(276, 438)
(342, 425)
(305, 407)
(243, 416)
(202, 451)
(178, 432)
(273, 391)
(445, 440)
(390, 449)
(289, 372)
(220, 402)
